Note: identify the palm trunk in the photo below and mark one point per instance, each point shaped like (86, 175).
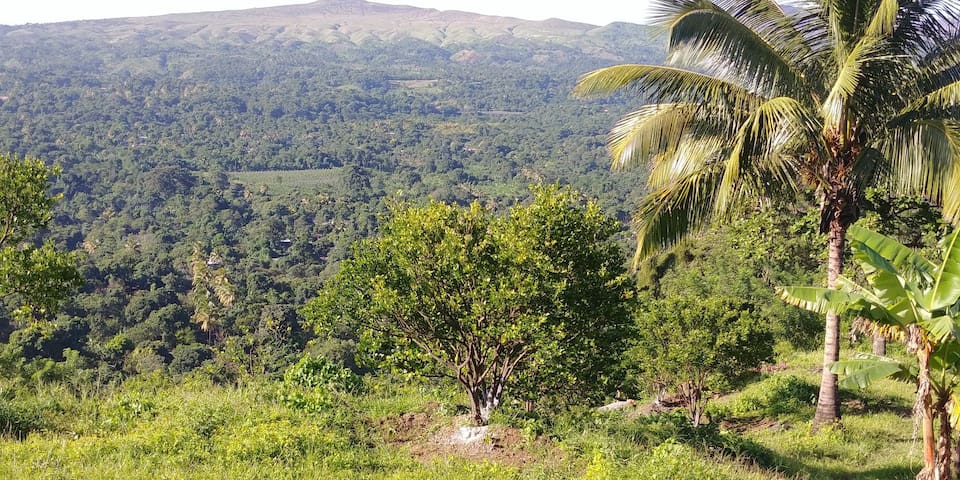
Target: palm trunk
(828, 406)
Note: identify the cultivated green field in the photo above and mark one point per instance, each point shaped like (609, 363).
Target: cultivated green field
(279, 182)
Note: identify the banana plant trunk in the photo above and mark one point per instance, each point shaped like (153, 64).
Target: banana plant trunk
(955, 458)
(944, 438)
(925, 409)
(828, 406)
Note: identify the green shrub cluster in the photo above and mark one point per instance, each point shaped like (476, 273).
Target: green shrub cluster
(775, 397)
(18, 420)
(313, 383)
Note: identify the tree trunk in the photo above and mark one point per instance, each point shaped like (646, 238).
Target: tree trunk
(828, 405)
(483, 401)
(692, 394)
(879, 345)
(944, 439)
(925, 409)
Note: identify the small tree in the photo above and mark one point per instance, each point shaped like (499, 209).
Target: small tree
(693, 346)
(36, 279)
(482, 299)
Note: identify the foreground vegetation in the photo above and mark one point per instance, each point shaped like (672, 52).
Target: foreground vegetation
(156, 427)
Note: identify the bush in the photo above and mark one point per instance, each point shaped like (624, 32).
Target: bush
(188, 357)
(312, 383)
(776, 396)
(668, 460)
(17, 420)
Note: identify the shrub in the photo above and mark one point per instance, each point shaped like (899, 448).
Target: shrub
(18, 420)
(776, 396)
(188, 357)
(312, 383)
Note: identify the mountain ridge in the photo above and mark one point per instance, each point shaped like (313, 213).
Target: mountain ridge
(337, 21)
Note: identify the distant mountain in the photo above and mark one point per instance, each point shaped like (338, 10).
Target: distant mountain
(355, 22)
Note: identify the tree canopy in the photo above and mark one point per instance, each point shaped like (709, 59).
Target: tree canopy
(539, 294)
(35, 280)
(692, 345)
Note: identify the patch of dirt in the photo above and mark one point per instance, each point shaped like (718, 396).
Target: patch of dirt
(405, 427)
(741, 425)
(862, 406)
(501, 445)
(776, 367)
(428, 438)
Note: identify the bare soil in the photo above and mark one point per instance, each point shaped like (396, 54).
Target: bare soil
(428, 437)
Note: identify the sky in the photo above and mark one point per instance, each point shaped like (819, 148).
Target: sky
(597, 12)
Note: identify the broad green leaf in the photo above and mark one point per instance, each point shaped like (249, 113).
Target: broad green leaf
(954, 409)
(900, 256)
(863, 370)
(946, 287)
(819, 299)
(940, 327)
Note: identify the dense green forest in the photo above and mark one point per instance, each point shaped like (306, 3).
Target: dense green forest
(351, 240)
(273, 156)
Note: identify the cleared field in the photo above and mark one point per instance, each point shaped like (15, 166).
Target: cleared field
(286, 181)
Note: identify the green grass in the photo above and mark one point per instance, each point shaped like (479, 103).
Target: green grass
(153, 428)
(279, 182)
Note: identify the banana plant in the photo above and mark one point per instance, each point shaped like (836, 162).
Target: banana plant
(910, 299)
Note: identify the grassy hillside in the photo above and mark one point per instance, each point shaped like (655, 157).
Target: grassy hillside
(152, 427)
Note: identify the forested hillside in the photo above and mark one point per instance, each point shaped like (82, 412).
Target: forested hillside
(353, 240)
(264, 142)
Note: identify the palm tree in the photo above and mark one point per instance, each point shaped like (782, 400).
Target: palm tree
(212, 291)
(757, 105)
(907, 298)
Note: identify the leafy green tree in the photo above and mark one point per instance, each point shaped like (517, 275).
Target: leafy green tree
(693, 346)
(738, 260)
(36, 279)
(484, 300)
(911, 299)
(755, 104)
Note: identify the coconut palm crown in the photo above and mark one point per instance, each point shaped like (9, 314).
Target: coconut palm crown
(753, 104)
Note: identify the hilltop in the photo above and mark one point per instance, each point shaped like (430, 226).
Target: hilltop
(348, 22)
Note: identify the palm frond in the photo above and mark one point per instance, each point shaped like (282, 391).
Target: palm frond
(655, 129)
(670, 213)
(884, 19)
(924, 160)
(663, 13)
(665, 85)
(715, 41)
(848, 78)
(760, 155)
(940, 103)
(688, 158)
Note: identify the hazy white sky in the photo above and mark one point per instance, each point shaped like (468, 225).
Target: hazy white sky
(599, 12)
